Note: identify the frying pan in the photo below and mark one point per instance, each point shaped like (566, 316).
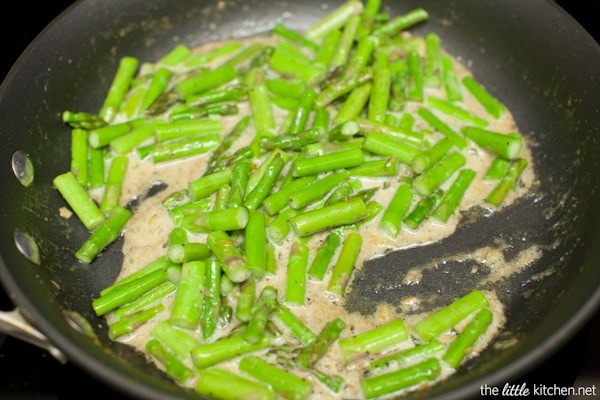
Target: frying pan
(534, 58)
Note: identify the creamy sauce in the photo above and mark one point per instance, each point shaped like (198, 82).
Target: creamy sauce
(147, 232)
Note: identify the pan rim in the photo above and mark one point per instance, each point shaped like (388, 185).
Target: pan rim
(523, 364)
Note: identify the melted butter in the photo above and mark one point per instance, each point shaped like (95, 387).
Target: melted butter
(148, 229)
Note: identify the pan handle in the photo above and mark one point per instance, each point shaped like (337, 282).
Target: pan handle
(12, 323)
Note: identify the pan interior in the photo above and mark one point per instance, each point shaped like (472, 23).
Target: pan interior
(537, 61)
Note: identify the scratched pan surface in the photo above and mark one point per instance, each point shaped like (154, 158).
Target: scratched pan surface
(532, 55)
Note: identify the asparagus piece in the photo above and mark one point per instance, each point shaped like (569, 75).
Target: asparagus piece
(225, 94)
(401, 22)
(130, 140)
(422, 210)
(245, 301)
(451, 83)
(79, 155)
(239, 180)
(158, 85)
(283, 382)
(279, 227)
(278, 200)
(187, 305)
(345, 42)
(328, 162)
(128, 292)
(96, 168)
(453, 196)
(180, 342)
(201, 58)
(497, 169)
(439, 125)
(399, 85)
(421, 162)
(173, 367)
(295, 288)
(507, 145)
(260, 103)
(448, 316)
(368, 16)
(379, 98)
(256, 242)
(182, 210)
(181, 129)
(361, 57)
(377, 168)
(316, 349)
(375, 340)
(243, 54)
(161, 263)
(179, 148)
(257, 174)
(389, 146)
(492, 105)
(328, 49)
(317, 189)
(222, 384)
(118, 88)
(294, 324)
(205, 80)
(324, 255)
(432, 71)
(233, 263)
(336, 19)
(102, 136)
(266, 183)
(227, 219)
(432, 178)
(507, 183)
(146, 300)
(341, 87)
(459, 347)
(176, 55)
(344, 127)
(407, 136)
(180, 253)
(328, 217)
(303, 110)
(449, 108)
(208, 184)
(132, 322)
(114, 183)
(209, 354)
(423, 350)
(354, 103)
(265, 304)
(82, 120)
(332, 382)
(223, 195)
(291, 63)
(79, 200)
(293, 88)
(104, 234)
(380, 385)
(342, 270)
(190, 113)
(271, 258)
(391, 220)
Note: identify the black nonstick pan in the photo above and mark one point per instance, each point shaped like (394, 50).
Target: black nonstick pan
(531, 54)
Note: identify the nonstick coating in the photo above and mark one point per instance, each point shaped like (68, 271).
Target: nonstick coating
(531, 54)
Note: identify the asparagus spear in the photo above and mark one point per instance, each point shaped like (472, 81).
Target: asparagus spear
(283, 382)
